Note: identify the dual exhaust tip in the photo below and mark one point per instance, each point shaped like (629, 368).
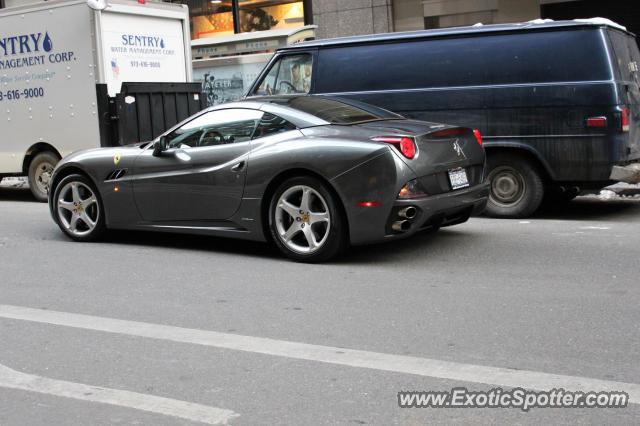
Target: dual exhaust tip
(407, 214)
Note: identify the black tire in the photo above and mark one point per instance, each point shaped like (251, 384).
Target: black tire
(93, 210)
(40, 170)
(336, 235)
(517, 187)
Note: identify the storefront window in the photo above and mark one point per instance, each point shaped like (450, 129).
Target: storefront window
(257, 15)
(211, 18)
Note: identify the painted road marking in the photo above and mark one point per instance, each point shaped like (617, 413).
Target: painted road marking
(332, 355)
(596, 227)
(170, 407)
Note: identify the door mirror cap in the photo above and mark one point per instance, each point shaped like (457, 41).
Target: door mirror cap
(98, 4)
(159, 146)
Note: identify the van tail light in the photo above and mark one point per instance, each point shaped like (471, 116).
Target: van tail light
(478, 136)
(597, 122)
(404, 144)
(625, 118)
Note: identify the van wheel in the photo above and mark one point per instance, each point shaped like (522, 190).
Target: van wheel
(40, 171)
(517, 188)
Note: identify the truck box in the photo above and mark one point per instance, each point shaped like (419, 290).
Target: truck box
(70, 79)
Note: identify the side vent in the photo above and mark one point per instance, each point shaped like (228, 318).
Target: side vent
(116, 174)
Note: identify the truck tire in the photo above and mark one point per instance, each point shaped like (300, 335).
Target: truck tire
(517, 187)
(40, 171)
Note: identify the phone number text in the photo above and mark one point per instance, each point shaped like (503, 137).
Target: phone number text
(15, 95)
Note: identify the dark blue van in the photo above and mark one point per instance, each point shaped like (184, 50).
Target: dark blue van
(556, 102)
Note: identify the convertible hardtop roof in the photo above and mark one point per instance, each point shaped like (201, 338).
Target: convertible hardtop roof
(537, 25)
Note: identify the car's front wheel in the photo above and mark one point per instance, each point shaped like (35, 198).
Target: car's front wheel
(78, 208)
(305, 220)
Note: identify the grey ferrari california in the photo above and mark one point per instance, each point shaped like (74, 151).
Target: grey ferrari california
(311, 174)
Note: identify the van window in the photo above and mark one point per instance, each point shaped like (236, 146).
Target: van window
(535, 57)
(627, 56)
(290, 74)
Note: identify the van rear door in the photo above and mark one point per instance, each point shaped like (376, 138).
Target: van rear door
(627, 60)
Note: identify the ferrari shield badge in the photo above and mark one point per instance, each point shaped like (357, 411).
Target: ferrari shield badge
(116, 159)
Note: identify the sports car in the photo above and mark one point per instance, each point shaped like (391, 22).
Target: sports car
(310, 174)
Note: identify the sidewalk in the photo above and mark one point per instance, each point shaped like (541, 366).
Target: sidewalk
(14, 182)
(624, 189)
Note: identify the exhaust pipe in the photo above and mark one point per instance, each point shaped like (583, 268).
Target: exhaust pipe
(408, 212)
(401, 226)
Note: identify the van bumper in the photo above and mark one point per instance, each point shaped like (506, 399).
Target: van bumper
(628, 174)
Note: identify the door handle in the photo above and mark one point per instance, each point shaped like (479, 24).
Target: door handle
(238, 167)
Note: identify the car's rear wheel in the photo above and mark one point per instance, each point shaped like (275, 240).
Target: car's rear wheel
(517, 187)
(40, 171)
(305, 220)
(78, 208)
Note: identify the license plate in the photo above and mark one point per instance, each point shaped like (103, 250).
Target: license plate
(458, 178)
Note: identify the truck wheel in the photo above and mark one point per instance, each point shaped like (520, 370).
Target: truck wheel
(40, 171)
(517, 188)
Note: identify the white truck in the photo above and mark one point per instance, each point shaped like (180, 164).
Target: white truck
(67, 74)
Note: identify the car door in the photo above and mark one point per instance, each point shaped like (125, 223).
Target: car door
(201, 174)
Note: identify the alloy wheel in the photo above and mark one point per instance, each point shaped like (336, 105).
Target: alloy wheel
(78, 208)
(302, 219)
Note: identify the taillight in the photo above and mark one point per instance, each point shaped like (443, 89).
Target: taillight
(478, 136)
(599, 122)
(625, 118)
(404, 144)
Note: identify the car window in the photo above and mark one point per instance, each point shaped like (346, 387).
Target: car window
(216, 128)
(271, 125)
(290, 74)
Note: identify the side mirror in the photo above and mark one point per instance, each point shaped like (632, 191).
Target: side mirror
(98, 4)
(159, 146)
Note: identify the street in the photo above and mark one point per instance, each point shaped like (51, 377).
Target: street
(227, 331)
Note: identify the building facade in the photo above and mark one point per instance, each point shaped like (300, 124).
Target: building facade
(336, 18)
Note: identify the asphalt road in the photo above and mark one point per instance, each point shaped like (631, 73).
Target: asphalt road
(556, 294)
